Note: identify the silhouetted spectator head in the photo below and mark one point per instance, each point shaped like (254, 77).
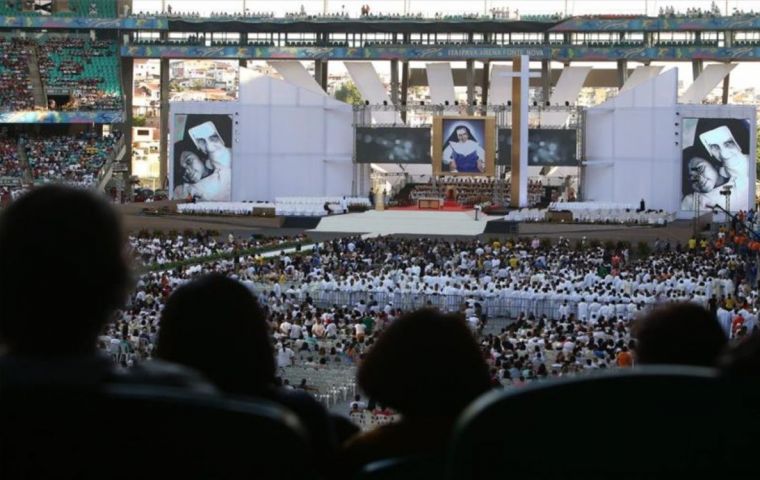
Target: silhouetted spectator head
(425, 364)
(63, 271)
(215, 326)
(743, 359)
(679, 334)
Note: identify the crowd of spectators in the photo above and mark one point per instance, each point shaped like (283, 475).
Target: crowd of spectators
(72, 159)
(85, 70)
(89, 69)
(570, 308)
(9, 160)
(153, 250)
(713, 11)
(15, 80)
(692, 305)
(692, 12)
(170, 12)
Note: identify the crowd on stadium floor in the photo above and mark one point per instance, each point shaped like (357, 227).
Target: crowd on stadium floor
(576, 305)
(159, 250)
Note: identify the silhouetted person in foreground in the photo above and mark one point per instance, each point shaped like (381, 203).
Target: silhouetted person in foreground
(63, 273)
(215, 326)
(427, 366)
(679, 334)
(742, 359)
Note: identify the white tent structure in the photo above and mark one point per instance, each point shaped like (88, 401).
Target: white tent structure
(288, 140)
(634, 142)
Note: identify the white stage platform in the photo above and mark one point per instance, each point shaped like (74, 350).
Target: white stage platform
(406, 222)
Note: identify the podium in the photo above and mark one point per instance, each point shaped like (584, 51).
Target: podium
(559, 216)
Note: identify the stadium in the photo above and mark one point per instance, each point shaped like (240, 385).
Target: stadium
(381, 239)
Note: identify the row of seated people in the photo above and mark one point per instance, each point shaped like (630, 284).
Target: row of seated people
(747, 42)
(194, 14)
(690, 12)
(15, 79)
(539, 17)
(466, 195)
(587, 43)
(75, 160)
(190, 40)
(303, 15)
(468, 191)
(687, 43)
(316, 44)
(223, 375)
(87, 68)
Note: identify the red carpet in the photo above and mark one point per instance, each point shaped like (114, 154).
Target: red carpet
(448, 206)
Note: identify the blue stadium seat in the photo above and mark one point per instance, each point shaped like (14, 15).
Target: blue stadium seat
(134, 431)
(664, 422)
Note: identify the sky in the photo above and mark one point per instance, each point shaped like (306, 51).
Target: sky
(745, 75)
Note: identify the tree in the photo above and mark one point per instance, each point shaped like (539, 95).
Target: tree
(138, 121)
(349, 93)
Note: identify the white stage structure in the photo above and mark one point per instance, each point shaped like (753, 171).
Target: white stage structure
(633, 145)
(287, 140)
(294, 72)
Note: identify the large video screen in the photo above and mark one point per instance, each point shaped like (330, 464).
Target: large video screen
(392, 145)
(546, 147)
(715, 159)
(202, 159)
(464, 145)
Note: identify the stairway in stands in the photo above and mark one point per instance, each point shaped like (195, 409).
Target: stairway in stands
(23, 160)
(40, 98)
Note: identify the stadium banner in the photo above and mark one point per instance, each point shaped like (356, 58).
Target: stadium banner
(392, 145)
(434, 53)
(716, 164)
(547, 147)
(62, 117)
(464, 145)
(201, 157)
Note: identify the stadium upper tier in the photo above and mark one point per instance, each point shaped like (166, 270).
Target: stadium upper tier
(13, 18)
(83, 71)
(88, 70)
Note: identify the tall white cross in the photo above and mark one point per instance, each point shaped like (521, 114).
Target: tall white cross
(520, 94)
